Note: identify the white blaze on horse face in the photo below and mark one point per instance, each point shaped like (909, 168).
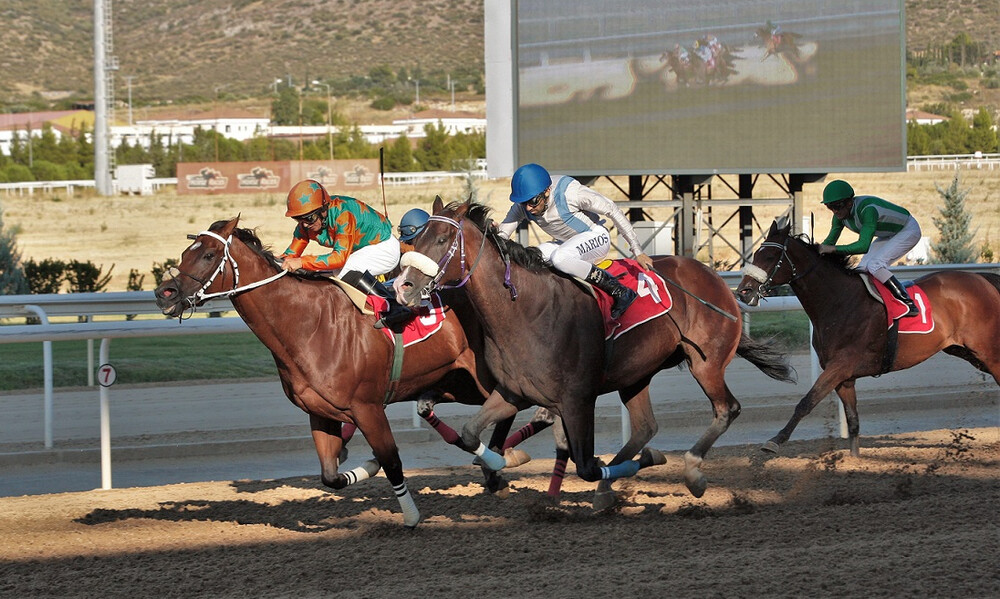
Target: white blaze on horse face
(195, 246)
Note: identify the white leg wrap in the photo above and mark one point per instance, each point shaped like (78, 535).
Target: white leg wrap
(411, 515)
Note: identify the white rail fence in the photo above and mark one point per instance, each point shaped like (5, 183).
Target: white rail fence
(979, 161)
(96, 308)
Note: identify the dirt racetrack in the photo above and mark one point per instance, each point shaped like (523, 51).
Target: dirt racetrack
(915, 516)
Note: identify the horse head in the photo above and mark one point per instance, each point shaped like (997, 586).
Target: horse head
(438, 256)
(186, 285)
(770, 265)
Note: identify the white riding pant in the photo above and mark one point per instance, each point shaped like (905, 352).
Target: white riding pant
(579, 253)
(377, 259)
(887, 250)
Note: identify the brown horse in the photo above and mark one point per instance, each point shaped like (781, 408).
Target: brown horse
(332, 363)
(850, 333)
(786, 43)
(547, 348)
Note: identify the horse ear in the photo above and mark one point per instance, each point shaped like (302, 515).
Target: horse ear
(230, 226)
(438, 205)
(781, 223)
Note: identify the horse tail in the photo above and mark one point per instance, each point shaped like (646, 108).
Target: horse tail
(763, 355)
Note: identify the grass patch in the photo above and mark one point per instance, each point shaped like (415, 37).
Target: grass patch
(139, 360)
(789, 330)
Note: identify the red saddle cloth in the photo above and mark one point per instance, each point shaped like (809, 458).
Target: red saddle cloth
(654, 300)
(922, 322)
(429, 319)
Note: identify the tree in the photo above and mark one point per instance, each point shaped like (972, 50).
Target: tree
(285, 109)
(432, 151)
(955, 243)
(984, 135)
(399, 156)
(12, 280)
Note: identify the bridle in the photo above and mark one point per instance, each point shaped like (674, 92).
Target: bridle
(458, 246)
(198, 297)
(764, 278)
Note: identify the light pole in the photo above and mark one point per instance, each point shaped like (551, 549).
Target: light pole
(215, 107)
(129, 79)
(329, 116)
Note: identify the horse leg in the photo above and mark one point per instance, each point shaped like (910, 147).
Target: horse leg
(725, 409)
(578, 421)
(541, 420)
(374, 425)
(494, 482)
(562, 457)
(643, 428)
(849, 397)
(327, 436)
(495, 408)
(827, 380)
(425, 409)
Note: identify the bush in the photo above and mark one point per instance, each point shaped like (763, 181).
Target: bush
(15, 173)
(46, 276)
(85, 277)
(43, 170)
(383, 103)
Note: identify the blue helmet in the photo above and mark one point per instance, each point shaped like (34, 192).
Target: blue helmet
(412, 223)
(527, 182)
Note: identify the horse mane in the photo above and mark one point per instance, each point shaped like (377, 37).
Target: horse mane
(251, 240)
(843, 262)
(526, 257)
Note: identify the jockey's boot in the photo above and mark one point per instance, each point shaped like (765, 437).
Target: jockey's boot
(899, 292)
(622, 295)
(396, 316)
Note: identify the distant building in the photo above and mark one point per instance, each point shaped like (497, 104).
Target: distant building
(62, 122)
(179, 127)
(923, 118)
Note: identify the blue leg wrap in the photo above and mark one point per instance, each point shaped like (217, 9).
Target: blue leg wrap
(491, 459)
(623, 470)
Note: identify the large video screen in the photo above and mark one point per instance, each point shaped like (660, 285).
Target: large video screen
(704, 86)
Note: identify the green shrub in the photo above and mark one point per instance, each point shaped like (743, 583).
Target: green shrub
(46, 276)
(43, 170)
(15, 173)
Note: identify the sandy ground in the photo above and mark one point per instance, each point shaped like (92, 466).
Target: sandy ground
(915, 516)
(134, 232)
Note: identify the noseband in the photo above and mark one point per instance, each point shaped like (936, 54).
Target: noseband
(199, 297)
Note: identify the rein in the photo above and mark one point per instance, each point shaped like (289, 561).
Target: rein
(200, 296)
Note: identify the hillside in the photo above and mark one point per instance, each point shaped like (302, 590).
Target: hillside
(177, 49)
(184, 50)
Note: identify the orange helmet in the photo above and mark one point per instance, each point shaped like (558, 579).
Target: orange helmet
(306, 196)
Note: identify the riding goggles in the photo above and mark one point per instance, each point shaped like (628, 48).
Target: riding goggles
(309, 218)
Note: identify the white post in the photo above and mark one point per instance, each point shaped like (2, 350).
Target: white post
(47, 376)
(105, 423)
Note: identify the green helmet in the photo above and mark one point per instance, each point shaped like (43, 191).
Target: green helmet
(836, 191)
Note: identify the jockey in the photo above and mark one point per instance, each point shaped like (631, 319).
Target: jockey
(360, 237)
(704, 53)
(885, 231)
(412, 223)
(568, 211)
(682, 54)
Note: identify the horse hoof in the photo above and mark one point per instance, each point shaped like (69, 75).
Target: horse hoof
(651, 457)
(516, 457)
(769, 447)
(503, 493)
(698, 487)
(425, 407)
(604, 500)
